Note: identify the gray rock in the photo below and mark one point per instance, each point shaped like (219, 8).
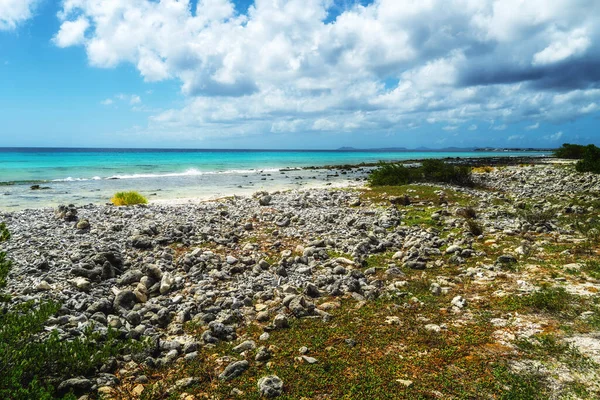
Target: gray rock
(130, 276)
(79, 386)
(281, 321)
(125, 299)
(415, 265)
(270, 386)
(263, 354)
(83, 225)
(265, 200)
(166, 282)
(233, 370)
(244, 346)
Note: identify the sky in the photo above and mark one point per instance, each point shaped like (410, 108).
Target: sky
(299, 74)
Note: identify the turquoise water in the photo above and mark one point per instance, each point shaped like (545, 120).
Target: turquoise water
(91, 176)
(65, 164)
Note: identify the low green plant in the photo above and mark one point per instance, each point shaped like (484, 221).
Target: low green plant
(128, 199)
(570, 151)
(435, 171)
(474, 227)
(33, 361)
(590, 161)
(536, 216)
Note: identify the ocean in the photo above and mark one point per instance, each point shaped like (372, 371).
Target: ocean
(82, 176)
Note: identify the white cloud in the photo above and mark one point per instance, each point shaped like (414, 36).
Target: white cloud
(135, 99)
(565, 45)
(388, 66)
(71, 33)
(516, 137)
(15, 12)
(107, 102)
(533, 127)
(555, 137)
(450, 128)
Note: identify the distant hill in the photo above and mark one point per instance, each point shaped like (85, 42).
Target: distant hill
(347, 148)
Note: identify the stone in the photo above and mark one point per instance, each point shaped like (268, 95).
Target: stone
(459, 302)
(263, 354)
(433, 328)
(125, 299)
(506, 259)
(270, 386)
(83, 225)
(404, 382)
(130, 276)
(453, 249)
(281, 321)
(233, 370)
(183, 384)
(82, 284)
(141, 242)
(79, 386)
(166, 283)
(244, 346)
(231, 260)
(419, 265)
(265, 200)
(43, 285)
(310, 360)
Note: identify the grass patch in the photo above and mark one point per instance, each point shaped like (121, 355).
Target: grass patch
(361, 356)
(128, 199)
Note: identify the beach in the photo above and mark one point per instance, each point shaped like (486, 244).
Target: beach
(84, 176)
(237, 285)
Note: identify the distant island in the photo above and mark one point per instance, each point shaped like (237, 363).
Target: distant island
(446, 149)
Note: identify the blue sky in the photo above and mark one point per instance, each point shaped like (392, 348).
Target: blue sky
(299, 73)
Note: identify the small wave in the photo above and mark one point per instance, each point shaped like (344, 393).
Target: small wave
(189, 172)
(70, 179)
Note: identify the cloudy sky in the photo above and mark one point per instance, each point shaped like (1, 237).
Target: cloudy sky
(299, 73)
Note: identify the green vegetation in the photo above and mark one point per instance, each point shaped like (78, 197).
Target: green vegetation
(588, 156)
(590, 161)
(33, 362)
(128, 199)
(363, 354)
(435, 171)
(570, 151)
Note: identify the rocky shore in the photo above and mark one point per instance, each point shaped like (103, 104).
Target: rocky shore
(192, 277)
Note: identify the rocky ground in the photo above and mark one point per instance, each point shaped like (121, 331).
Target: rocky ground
(397, 292)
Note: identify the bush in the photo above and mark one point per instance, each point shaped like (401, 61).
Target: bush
(475, 228)
(436, 171)
(570, 151)
(32, 361)
(128, 199)
(590, 161)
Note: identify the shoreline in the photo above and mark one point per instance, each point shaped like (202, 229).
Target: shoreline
(185, 189)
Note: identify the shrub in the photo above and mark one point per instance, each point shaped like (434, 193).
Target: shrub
(590, 161)
(32, 361)
(570, 151)
(555, 299)
(390, 175)
(536, 216)
(466, 212)
(430, 171)
(128, 199)
(475, 228)
(486, 169)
